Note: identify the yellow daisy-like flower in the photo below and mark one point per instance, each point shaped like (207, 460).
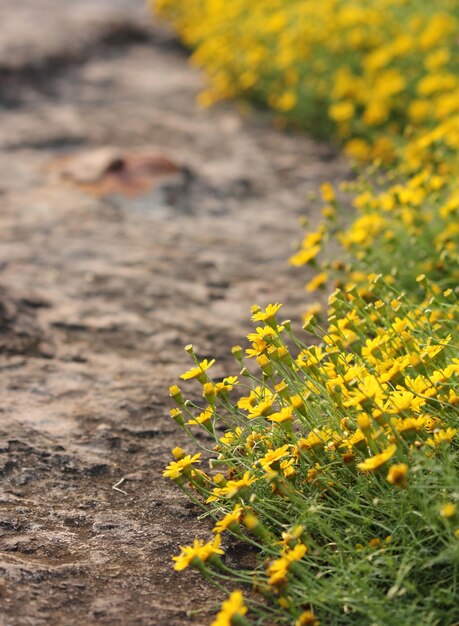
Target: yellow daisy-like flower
(258, 347)
(247, 402)
(303, 257)
(227, 384)
(284, 415)
(232, 487)
(311, 311)
(357, 439)
(262, 333)
(315, 439)
(297, 553)
(308, 618)
(287, 468)
(378, 460)
(442, 436)
(430, 352)
(431, 423)
(317, 282)
(403, 400)
(327, 192)
(198, 551)
(341, 111)
(175, 469)
(397, 475)
(290, 538)
(448, 510)
(278, 569)
(199, 371)
(232, 608)
(262, 409)
(409, 425)
(272, 456)
(267, 315)
(230, 435)
(204, 417)
(229, 520)
(177, 416)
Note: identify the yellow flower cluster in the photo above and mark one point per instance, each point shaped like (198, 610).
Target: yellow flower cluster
(372, 69)
(405, 231)
(325, 432)
(379, 76)
(339, 458)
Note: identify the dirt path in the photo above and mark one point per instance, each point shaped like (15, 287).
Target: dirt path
(99, 294)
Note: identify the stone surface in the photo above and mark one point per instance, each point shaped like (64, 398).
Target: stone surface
(99, 293)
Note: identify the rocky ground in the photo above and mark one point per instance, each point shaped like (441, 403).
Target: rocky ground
(131, 223)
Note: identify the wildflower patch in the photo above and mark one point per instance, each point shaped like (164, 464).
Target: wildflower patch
(338, 462)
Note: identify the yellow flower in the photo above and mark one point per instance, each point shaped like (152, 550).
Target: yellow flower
(286, 102)
(265, 364)
(315, 439)
(278, 569)
(378, 460)
(297, 553)
(327, 192)
(176, 394)
(310, 312)
(397, 474)
(357, 149)
(284, 415)
(227, 384)
(178, 453)
(204, 417)
(448, 510)
(376, 113)
(229, 520)
(290, 538)
(232, 608)
(341, 112)
(175, 469)
(408, 425)
(247, 402)
(262, 333)
(267, 315)
(272, 456)
(305, 256)
(230, 435)
(278, 572)
(308, 618)
(364, 421)
(297, 403)
(318, 281)
(431, 422)
(261, 339)
(177, 416)
(403, 400)
(369, 391)
(199, 371)
(232, 487)
(287, 468)
(262, 409)
(431, 352)
(442, 436)
(198, 551)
